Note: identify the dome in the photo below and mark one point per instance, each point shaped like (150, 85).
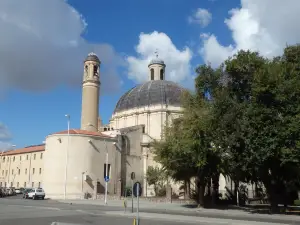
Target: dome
(92, 57)
(151, 93)
(157, 61)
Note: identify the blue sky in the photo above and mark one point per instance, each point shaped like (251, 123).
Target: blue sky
(33, 105)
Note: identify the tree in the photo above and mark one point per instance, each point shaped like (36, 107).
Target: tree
(186, 148)
(155, 176)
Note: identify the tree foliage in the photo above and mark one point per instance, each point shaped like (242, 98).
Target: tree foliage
(248, 130)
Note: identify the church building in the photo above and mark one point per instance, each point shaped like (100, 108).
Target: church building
(76, 162)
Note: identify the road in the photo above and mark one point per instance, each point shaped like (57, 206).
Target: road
(15, 210)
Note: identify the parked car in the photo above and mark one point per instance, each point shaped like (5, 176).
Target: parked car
(25, 192)
(36, 193)
(18, 191)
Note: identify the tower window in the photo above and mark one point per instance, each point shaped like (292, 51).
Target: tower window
(161, 74)
(95, 70)
(152, 74)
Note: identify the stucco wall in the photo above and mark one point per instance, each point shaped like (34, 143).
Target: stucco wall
(153, 117)
(86, 158)
(22, 170)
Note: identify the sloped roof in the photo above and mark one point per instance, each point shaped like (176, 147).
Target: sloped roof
(29, 149)
(84, 132)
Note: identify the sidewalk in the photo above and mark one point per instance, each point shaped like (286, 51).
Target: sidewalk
(175, 209)
(188, 219)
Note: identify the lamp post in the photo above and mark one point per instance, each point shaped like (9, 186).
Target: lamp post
(67, 151)
(106, 173)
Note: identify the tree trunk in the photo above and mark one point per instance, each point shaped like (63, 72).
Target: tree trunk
(215, 188)
(200, 190)
(236, 189)
(186, 189)
(273, 196)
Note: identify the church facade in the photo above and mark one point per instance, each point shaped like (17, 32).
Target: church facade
(75, 162)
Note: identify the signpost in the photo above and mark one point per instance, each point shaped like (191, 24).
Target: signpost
(132, 176)
(137, 189)
(138, 205)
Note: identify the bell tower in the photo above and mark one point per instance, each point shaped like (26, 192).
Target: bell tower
(90, 93)
(157, 68)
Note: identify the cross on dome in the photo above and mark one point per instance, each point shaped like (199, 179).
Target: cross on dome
(156, 53)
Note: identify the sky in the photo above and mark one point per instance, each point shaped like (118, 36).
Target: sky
(43, 44)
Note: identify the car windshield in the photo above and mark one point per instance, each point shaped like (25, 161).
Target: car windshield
(39, 190)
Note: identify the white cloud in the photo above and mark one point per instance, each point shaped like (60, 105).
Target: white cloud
(5, 137)
(42, 46)
(201, 16)
(264, 26)
(178, 68)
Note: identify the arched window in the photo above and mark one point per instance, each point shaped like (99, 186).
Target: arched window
(95, 70)
(152, 74)
(161, 74)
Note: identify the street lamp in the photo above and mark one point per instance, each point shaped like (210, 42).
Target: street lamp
(67, 151)
(106, 172)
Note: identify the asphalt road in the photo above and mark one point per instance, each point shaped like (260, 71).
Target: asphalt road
(15, 210)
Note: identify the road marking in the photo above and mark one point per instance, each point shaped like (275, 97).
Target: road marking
(38, 207)
(59, 223)
(89, 213)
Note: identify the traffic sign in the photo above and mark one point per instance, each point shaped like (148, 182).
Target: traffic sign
(106, 178)
(137, 191)
(132, 175)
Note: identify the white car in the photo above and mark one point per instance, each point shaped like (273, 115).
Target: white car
(36, 193)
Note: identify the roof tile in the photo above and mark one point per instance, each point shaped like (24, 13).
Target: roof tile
(84, 132)
(29, 149)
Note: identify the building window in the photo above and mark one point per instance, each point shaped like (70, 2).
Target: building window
(26, 157)
(32, 184)
(41, 155)
(33, 170)
(95, 70)
(34, 156)
(40, 170)
(108, 171)
(0, 184)
(17, 184)
(6, 172)
(24, 184)
(5, 184)
(39, 184)
(20, 157)
(161, 74)
(11, 184)
(12, 172)
(19, 171)
(152, 74)
(25, 171)
(3, 159)
(14, 158)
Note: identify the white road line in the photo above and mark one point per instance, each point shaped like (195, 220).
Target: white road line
(37, 207)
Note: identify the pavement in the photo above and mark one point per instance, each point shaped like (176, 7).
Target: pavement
(15, 210)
